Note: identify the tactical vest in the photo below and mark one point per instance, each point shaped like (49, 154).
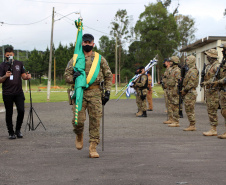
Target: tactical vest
(223, 76)
(172, 80)
(146, 83)
(195, 82)
(210, 71)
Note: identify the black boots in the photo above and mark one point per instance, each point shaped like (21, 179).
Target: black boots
(143, 115)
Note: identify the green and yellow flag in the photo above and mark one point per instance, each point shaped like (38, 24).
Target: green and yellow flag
(79, 66)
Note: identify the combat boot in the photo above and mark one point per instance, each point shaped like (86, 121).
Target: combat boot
(190, 128)
(92, 150)
(174, 124)
(79, 141)
(211, 132)
(223, 136)
(168, 122)
(139, 113)
(143, 115)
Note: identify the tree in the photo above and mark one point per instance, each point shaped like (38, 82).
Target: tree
(186, 29)
(45, 59)
(35, 64)
(166, 3)
(107, 49)
(120, 30)
(62, 58)
(157, 32)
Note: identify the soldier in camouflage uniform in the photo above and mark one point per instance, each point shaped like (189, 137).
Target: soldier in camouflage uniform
(137, 98)
(212, 97)
(92, 97)
(141, 88)
(189, 92)
(221, 83)
(172, 91)
(166, 64)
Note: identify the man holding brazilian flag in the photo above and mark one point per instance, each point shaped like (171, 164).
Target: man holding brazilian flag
(85, 71)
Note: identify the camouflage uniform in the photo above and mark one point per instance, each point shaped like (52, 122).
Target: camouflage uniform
(149, 93)
(172, 91)
(141, 88)
(92, 97)
(212, 97)
(190, 84)
(164, 80)
(222, 87)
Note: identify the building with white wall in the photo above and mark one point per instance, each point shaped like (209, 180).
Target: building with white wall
(198, 48)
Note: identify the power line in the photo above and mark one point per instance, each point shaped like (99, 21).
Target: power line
(26, 24)
(85, 3)
(97, 30)
(69, 22)
(63, 16)
(84, 26)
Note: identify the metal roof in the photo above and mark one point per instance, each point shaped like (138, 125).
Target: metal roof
(202, 42)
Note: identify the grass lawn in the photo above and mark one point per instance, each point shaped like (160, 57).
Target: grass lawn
(58, 94)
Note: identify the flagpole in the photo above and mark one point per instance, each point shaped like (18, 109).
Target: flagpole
(116, 67)
(50, 60)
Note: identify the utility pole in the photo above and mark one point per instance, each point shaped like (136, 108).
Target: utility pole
(116, 67)
(3, 54)
(54, 71)
(50, 60)
(18, 57)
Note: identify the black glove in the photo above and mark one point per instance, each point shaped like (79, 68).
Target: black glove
(75, 75)
(142, 97)
(106, 97)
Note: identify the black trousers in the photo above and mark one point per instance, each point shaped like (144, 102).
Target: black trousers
(19, 102)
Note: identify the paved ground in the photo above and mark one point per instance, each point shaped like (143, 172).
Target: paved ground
(137, 150)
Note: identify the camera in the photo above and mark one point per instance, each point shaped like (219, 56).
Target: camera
(10, 63)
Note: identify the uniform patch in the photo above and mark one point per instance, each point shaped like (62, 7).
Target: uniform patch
(17, 67)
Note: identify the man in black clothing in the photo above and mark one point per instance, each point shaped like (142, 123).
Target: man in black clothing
(11, 72)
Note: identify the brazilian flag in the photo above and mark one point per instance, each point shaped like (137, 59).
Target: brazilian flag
(79, 66)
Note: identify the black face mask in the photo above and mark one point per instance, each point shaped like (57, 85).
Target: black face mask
(7, 58)
(211, 60)
(87, 48)
(137, 72)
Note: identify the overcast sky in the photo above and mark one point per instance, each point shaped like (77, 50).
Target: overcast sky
(96, 14)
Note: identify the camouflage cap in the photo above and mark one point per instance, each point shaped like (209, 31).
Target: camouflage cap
(212, 53)
(174, 59)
